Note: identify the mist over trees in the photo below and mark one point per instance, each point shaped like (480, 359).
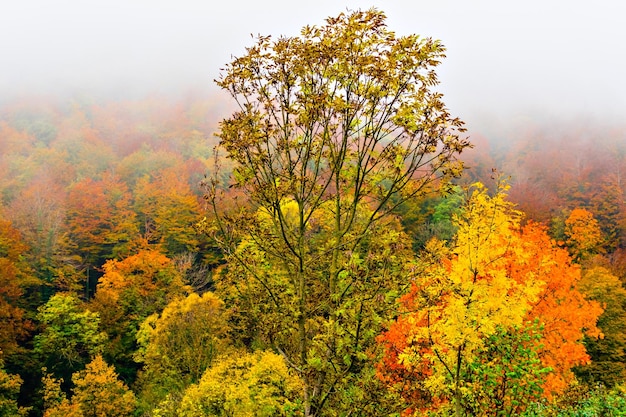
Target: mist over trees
(345, 252)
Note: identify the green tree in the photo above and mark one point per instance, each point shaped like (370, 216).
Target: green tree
(582, 401)
(431, 217)
(70, 336)
(336, 128)
(608, 354)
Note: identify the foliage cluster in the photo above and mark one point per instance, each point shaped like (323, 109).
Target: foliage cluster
(492, 320)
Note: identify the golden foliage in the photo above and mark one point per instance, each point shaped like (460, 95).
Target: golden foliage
(583, 233)
(244, 385)
(495, 278)
(97, 392)
(177, 346)
(9, 391)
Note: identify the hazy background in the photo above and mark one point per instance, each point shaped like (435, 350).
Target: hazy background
(508, 62)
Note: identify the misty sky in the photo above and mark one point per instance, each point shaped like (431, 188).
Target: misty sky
(506, 60)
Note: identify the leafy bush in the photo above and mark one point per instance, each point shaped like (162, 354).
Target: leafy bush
(583, 401)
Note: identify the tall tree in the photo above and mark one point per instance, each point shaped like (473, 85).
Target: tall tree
(262, 296)
(336, 127)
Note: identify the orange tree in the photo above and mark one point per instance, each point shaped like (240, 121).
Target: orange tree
(129, 291)
(343, 120)
(100, 223)
(167, 210)
(492, 321)
(16, 279)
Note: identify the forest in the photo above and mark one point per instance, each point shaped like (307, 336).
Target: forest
(340, 245)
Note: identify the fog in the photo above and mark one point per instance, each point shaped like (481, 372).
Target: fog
(508, 62)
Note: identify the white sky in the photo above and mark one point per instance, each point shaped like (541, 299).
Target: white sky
(506, 59)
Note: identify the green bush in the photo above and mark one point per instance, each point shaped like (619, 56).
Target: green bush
(583, 401)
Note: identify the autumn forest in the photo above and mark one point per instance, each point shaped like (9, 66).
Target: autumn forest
(325, 239)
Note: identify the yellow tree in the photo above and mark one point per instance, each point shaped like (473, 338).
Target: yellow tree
(471, 329)
(55, 402)
(167, 210)
(178, 345)
(244, 385)
(461, 297)
(583, 234)
(9, 391)
(97, 392)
